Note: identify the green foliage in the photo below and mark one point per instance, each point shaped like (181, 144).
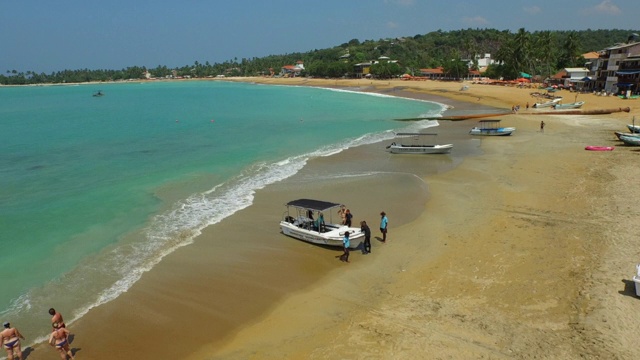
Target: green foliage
(539, 53)
(386, 70)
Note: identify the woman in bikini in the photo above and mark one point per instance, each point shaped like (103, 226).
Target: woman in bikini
(10, 338)
(59, 338)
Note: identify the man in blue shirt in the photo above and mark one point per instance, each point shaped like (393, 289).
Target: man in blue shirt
(346, 244)
(383, 225)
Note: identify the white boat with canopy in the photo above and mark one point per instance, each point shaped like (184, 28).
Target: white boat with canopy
(312, 221)
(491, 128)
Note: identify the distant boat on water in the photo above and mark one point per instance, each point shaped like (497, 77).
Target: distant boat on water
(98, 94)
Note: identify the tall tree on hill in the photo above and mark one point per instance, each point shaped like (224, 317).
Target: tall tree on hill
(544, 51)
(456, 68)
(570, 51)
(522, 51)
(505, 57)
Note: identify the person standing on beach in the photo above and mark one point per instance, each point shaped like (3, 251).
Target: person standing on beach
(59, 338)
(542, 126)
(57, 318)
(345, 244)
(384, 222)
(347, 218)
(367, 236)
(10, 339)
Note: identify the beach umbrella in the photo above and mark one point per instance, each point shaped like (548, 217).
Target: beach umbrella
(525, 75)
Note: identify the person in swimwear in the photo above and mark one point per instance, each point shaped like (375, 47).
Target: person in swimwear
(57, 318)
(59, 338)
(10, 338)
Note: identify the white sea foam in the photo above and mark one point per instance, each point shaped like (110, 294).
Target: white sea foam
(121, 266)
(181, 225)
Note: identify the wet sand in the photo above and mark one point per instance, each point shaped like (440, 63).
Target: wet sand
(524, 249)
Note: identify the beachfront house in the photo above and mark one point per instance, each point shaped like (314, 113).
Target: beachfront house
(363, 70)
(609, 64)
(292, 70)
(576, 77)
(629, 75)
(433, 74)
(482, 61)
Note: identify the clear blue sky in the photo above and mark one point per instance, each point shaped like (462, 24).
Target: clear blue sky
(51, 35)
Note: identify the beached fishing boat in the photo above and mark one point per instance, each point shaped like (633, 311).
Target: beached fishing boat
(620, 133)
(549, 103)
(298, 222)
(575, 105)
(491, 128)
(630, 140)
(416, 147)
(633, 128)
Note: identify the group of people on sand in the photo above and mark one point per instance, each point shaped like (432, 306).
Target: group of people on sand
(59, 338)
(346, 220)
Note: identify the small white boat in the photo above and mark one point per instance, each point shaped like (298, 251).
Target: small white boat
(298, 222)
(634, 128)
(416, 147)
(575, 105)
(547, 103)
(629, 134)
(630, 140)
(491, 128)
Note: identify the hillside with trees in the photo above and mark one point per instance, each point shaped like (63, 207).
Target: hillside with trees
(540, 52)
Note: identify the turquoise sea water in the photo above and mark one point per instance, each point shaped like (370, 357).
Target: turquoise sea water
(96, 190)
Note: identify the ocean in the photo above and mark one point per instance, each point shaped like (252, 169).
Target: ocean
(94, 191)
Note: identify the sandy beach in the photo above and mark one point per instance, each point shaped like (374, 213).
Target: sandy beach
(523, 250)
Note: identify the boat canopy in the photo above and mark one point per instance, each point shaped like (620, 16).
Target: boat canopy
(309, 204)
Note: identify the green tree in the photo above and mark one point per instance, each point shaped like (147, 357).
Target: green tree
(544, 52)
(570, 51)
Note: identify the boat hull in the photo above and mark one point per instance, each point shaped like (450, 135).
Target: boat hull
(634, 128)
(420, 149)
(576, 105)
(332, 237)
(492, 132)
(547, 104)
(620, 133)
(630, 140)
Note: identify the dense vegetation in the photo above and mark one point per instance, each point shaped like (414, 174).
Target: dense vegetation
(541, 53)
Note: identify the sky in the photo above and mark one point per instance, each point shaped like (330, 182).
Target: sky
(47, 36)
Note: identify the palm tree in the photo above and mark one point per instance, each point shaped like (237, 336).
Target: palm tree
(570, 50)
(544, 50)
(522, 50)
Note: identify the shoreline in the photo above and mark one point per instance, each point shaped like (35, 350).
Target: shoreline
(422, 301)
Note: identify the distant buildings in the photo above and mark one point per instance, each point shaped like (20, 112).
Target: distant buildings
(364, 69)
(615, 70)
(292, 70)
